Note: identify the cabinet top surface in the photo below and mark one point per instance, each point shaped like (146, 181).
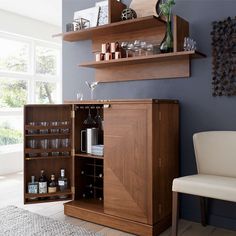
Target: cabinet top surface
(121, 101)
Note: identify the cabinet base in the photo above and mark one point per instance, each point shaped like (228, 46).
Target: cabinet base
(93, 212)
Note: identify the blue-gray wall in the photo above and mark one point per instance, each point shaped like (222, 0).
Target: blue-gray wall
(199, 110)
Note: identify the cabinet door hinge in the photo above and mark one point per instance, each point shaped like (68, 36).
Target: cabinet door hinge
(72, 114)
(159, 115)
(73, 190)
(72, 152)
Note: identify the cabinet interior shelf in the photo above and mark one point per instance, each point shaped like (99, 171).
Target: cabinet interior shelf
(88, 156)
(47, 158)
(143, 59)
(128, 26)
(57, 194)
(41, 150)
(41, 127)
(61, 135)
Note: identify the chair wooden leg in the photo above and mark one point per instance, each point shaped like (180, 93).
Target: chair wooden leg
(203, 204)
(175, 213)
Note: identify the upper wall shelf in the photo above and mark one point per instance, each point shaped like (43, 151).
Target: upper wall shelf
(151, 29)
(114, 28)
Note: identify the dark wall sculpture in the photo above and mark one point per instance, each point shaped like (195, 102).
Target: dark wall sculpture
(224, 57)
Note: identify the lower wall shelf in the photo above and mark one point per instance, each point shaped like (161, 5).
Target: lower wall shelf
(159, 66)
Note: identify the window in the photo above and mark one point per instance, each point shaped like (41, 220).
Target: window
(30, 72)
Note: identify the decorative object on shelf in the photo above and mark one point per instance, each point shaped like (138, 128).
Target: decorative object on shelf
(103, 12)
(189, 44)
(145, 8)
(224, 57)
(128, 14)
(69, 27)
(92, 87)
(80, 24)
(167, 43)
(79, 96)
(90, 14)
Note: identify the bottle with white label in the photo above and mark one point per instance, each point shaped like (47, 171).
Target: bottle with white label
(63, 183)
(43, 183)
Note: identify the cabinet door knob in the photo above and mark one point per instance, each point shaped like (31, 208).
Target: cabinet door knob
(106, 106)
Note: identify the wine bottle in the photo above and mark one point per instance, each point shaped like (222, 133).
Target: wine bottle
(43, 183)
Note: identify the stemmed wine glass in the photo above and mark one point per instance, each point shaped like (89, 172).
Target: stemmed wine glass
(149, 49)
(92, 87)
(130, 48)
(89, 120)
(98, 118)
(137, 48)
(143, 46)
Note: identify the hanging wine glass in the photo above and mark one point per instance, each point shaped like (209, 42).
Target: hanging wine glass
(92, 87)
(89, 120)
(98, 118)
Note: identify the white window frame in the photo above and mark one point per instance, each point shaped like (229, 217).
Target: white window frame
(31, 77)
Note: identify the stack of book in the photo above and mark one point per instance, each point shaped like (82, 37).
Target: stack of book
(98, 150)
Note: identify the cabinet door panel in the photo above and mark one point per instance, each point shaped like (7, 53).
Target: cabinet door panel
(125, 164)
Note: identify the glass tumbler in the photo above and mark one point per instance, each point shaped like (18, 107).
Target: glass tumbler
(55, 144)
(32, 131)
(44, 145)
(44, 131)
(65, 144)
(33, 144)
(64, 130)
(54, 130)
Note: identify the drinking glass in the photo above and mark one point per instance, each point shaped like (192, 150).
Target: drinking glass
(65, 144)
(32, 144)
(137, 48)
(124, 45)
(43, 123)
(92, 87)
(149, 49)
(130, 48)
(89, 120)
(143, 46)
(55, 144)
(54, 123)
(79, 96)
(64, 130)
(44, 145)
(33, 131)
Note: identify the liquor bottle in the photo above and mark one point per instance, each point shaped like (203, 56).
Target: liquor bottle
(43, 183)
(33, 187)
(63, 183)
(52, 186)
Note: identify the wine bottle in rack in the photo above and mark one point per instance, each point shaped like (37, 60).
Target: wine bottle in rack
(43, 183)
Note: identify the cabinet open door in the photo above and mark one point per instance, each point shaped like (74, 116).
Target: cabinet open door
(42, 124)
(127, 164)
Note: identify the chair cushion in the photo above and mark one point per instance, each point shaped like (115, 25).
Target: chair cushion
(212, 186)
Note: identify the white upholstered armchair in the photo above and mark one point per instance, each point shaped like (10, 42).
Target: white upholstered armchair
(215, 154)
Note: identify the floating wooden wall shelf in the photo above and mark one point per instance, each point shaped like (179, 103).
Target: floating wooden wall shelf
(150, 28)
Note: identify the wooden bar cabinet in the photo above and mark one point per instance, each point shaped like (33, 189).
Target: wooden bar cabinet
(131, 184)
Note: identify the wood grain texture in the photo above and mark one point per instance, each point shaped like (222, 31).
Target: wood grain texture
(114, 28)
(180, 31)
(173, 68)
(165, 156)
(126, 162)
(115, 9)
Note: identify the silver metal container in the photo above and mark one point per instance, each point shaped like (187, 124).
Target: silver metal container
(91, 136)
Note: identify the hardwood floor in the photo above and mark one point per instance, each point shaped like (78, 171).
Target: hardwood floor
(11, 187)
